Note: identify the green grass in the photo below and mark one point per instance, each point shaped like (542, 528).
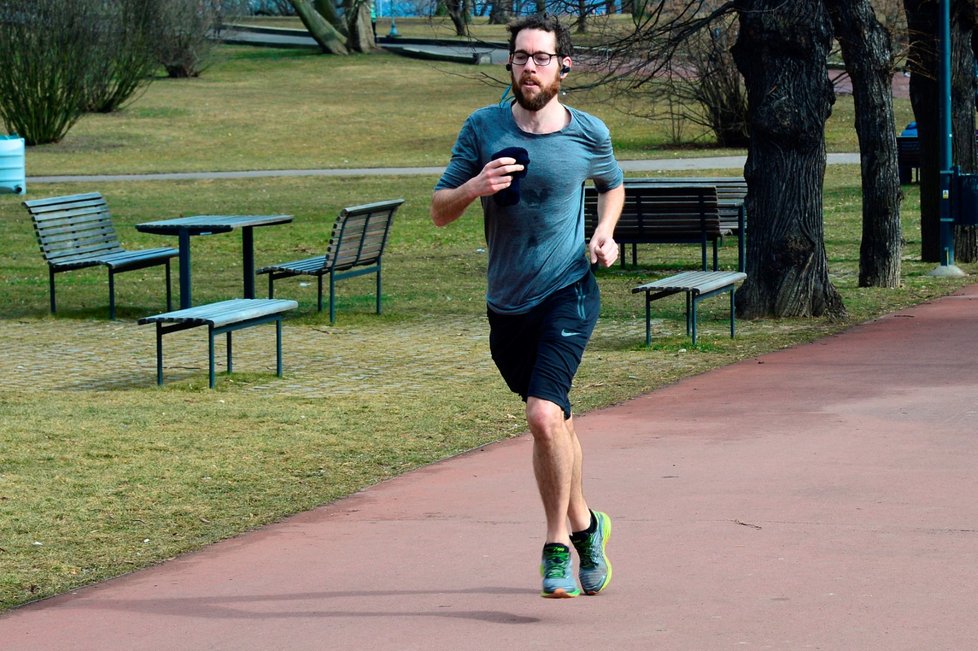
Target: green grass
(101, 472)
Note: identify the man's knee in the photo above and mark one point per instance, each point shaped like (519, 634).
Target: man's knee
(545, 418)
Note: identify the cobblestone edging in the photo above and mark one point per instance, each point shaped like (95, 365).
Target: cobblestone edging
(56, 354)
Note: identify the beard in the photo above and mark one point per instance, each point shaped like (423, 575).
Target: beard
(542, 97)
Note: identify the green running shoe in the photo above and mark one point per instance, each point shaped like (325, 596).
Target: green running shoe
(557, 571)
(595, 567)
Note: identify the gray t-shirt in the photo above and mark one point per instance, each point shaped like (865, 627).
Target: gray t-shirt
(536, 247)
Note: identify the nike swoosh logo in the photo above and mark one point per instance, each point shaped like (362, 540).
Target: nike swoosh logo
(564, 333)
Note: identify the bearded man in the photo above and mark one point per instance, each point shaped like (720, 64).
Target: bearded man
(527, 163)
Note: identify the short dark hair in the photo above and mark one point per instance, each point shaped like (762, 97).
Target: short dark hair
(545, 23)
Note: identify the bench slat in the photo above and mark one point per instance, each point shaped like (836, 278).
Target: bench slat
(699, 282)
(224, 312)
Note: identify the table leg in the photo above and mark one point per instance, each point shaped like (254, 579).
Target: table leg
(185, 299)
(248, 257)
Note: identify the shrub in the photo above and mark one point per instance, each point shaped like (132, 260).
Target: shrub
(47, 48)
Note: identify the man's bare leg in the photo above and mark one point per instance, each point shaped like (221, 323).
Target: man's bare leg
(553, 464)
(577, 512)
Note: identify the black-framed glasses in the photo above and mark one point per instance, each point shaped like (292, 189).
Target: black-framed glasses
(520, 58)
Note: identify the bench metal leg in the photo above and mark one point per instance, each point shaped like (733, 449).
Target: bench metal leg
(51, 286)
(732, 312)
(159, 353)
(319, 295)
(278, 347)
(332, 298)
(648, 319)
(111, 295)
(169, 290)
(378, 288)
(690, 315)
(229, 351)
(210, 356)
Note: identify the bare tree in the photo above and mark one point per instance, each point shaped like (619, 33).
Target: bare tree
(183, 29)
(333, 33)
(126, 33)
(782, 52)
(102, 49)
(867, 51)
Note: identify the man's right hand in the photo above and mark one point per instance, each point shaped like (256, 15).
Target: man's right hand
(448, 205)
(495, 176)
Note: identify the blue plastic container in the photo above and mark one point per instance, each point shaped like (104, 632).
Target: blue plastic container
(13, 178)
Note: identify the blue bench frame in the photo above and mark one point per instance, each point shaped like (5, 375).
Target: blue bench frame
(698, 286)
(223, 317)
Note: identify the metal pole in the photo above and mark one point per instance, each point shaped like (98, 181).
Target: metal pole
(947, 266)
(393, 33)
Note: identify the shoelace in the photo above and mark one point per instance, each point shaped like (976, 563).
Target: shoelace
(555, 563)
(587, 552)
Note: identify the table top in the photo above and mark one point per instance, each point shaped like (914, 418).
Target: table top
(204, 224)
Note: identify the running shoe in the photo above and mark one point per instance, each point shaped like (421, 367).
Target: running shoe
(557, 570)
(595, 567)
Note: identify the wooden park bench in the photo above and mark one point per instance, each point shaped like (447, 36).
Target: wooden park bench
(698, 286)
(731, 195)
(223, 317)
(908, 158)
(76, 232)
(663, 214)
(356, 247)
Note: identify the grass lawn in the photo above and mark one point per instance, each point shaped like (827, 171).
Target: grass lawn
(102, 472)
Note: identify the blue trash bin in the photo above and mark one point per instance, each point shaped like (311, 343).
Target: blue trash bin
(12, 176)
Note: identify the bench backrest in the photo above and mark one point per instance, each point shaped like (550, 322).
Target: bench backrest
(731, 193)
(73, 228)
(729, 188)
(908, 150)
(360, 235)
(661, 212)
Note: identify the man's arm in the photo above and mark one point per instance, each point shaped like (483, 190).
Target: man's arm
(448, 204)
(602, 247)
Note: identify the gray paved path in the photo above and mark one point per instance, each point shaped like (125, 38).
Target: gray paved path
(817, 497)
(653, 165)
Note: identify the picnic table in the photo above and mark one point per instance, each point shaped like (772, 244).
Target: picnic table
(185, 227)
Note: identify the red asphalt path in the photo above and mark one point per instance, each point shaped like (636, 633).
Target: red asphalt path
(824, 496)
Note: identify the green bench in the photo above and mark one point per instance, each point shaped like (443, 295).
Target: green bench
(356, 247)
(663, 214)
(75, 232)
(698, 286)
(223, 317)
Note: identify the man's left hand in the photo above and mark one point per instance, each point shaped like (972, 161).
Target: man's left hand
(603, 250)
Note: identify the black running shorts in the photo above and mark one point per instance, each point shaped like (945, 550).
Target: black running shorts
(538, 352)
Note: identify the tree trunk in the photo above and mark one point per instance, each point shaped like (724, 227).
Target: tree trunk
(327, 9)
(330, 41)
(458, 11)
(781, 51)
(361, 34)
(963, 113)
(582, 13)
(869, 61)
(500, 14)
(922, 17)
